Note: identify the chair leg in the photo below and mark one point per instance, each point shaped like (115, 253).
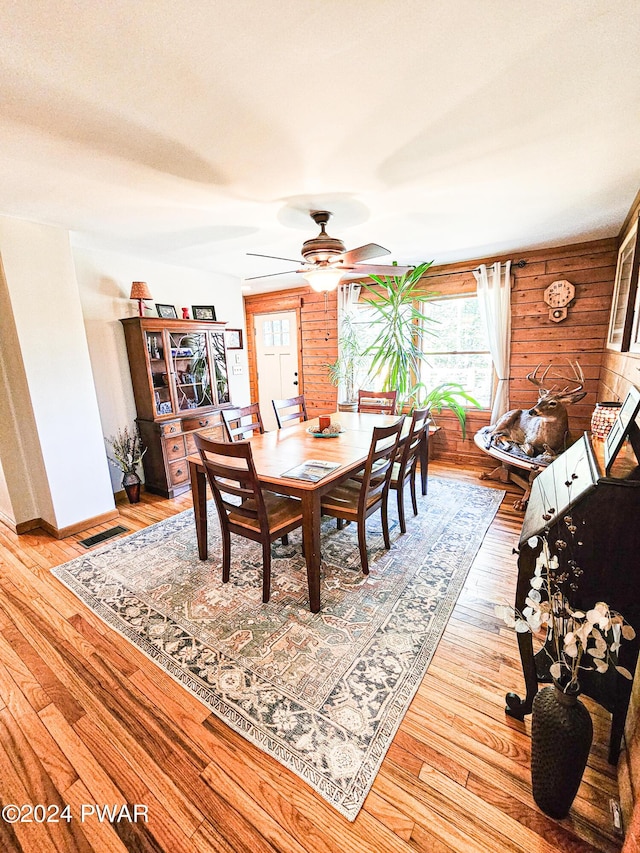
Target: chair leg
(362, 543)
(424, 473)
(384, 511)
(266, 571)
(403, 523)
(285, 539)
(226, 555)
(339, 523)
(414, 499)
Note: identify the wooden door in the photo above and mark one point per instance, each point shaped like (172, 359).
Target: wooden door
(276, 337)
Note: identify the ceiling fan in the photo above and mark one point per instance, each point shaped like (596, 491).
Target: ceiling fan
(326, 260)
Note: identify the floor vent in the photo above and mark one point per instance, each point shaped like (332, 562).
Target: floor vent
(100, 537)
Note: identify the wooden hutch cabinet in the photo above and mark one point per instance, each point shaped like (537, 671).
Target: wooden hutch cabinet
(180, 382)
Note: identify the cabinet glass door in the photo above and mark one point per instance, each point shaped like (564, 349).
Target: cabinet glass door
(191, 370)
(219, 361)
(159, 373)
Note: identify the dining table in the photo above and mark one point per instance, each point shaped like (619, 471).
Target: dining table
(276, 453)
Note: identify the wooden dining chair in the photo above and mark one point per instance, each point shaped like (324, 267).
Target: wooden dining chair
(243, 506)
(236, 425)
(356, 500)
(409, 454)
(298, 414)
(377, 402)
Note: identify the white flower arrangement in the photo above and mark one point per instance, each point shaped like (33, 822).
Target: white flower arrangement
(578, 640)
(127, 449)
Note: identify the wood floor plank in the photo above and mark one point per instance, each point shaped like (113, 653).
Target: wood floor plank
(101, 836)
(440, 824)
(28, 782)
(392, 817)
(332, 831)
(100, 638)
(48, 750)
(166, 807)
(532, 818)
(53, 688)
(16, 675)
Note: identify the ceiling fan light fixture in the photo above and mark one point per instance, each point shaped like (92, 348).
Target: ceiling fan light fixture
(323, 279)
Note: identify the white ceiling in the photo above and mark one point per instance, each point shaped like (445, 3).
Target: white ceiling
(193, 132)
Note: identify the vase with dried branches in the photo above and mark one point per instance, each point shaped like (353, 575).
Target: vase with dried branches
(126, 454)
(576, 640)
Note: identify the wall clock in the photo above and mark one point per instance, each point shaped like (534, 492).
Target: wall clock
(558, 296)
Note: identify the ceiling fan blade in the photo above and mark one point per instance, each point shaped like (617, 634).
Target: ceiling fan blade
(276, 258)
(378, 269)
(270, 275)
(363, 253)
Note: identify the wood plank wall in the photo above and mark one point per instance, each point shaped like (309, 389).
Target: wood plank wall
(534, 338)
(318, 341)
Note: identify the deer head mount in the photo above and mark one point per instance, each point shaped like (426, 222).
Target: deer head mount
(543, 429)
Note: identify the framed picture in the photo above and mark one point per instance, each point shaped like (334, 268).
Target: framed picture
(625, 426)
(233, 338)
(167, 312)
(624, 294)
(203, 312)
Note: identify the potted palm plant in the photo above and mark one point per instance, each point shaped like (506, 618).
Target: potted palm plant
(347, 370)
(397, 351)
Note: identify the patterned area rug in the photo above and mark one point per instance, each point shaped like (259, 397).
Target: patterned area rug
(322, 693)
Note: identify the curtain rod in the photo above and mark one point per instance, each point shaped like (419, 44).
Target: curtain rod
(519, 264)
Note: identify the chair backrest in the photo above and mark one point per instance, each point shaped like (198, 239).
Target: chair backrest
(298, 414)
(377, 472)
(418, 432)
(378, 402)
(233, 480)
(242, 422)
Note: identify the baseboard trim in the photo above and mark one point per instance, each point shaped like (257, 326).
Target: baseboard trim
(59, 532)
(8, 522)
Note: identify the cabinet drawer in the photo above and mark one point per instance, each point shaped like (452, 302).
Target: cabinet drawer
(178, 472)
(172, 428)
(203, 421)
(215, 434)
(174, 446)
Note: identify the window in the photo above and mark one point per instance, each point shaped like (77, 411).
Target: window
(458, 351)
(624, 293)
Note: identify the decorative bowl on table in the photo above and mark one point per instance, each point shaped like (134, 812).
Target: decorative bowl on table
(332, 431)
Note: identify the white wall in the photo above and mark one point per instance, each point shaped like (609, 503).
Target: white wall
(104, 280)
(6, 507)
(49, 381)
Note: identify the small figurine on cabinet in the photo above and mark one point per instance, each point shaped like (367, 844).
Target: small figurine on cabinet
(185, 314)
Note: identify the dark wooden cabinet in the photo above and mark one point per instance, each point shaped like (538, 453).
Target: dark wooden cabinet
(180, 383)
(606, 511)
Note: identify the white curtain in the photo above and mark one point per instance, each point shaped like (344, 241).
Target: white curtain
(348, 295)
(494, 302)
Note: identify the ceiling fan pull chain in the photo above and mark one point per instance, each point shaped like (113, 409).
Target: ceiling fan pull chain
(326, 316)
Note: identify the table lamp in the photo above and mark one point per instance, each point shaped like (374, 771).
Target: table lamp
(140, 291)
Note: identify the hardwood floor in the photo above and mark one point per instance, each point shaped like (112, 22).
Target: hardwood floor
(86, 718)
